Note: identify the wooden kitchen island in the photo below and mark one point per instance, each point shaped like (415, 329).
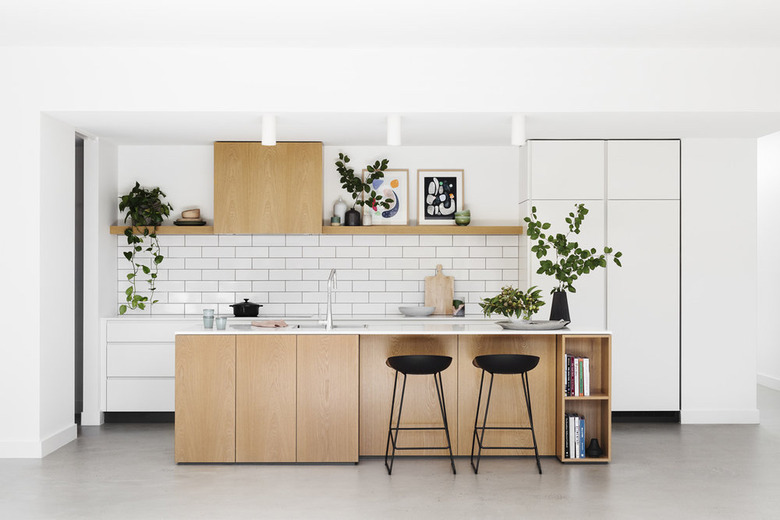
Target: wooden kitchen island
(303, 394)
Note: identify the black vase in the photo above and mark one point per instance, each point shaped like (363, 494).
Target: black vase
(352, 217)
(594, 450)
(560, 307)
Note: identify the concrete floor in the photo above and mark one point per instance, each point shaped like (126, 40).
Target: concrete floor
(658, 471)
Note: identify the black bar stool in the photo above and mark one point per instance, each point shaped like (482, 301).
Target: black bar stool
(503, 364)
(416, 365)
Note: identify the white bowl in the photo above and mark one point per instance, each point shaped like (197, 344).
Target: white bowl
(417, 311)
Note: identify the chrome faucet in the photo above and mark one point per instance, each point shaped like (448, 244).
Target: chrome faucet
(329, 312)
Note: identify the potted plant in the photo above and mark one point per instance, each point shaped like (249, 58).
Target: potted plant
(356, 187)
(511, 302)
(570, 260)
(146, 209)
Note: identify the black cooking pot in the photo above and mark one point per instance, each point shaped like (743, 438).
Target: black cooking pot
(246, 309)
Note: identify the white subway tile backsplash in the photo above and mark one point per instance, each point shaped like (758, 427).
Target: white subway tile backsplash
(436, 240)
(219, 252)
(402, 240)
(201, 240)
(235, 240)
(302, 240)
(252, 252)
(288, 273)
(268, 240)
(336, 240)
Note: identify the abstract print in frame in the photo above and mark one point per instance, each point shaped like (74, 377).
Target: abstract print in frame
(440, 195)
(394, 185)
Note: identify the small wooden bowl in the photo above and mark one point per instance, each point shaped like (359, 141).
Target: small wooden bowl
(191, 213)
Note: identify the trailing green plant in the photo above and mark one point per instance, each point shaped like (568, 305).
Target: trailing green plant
(571, 260)
(513, 302)
(146, 209)
(356, 186)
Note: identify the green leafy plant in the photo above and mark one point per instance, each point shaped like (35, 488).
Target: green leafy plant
(356, 187)
(513, 302)
(146, 209)
(571, 260)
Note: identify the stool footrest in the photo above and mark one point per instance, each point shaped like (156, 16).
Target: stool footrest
(421, 448)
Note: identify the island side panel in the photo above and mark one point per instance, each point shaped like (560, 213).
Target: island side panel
(327, 395)
(265, 398)
(507, 403)
(421, 405)
(205, 398)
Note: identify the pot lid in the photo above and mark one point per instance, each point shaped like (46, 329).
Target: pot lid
(245, 304)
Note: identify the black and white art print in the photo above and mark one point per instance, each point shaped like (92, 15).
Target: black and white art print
(440, 195)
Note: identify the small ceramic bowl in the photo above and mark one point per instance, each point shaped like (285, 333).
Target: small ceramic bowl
(464, 213)
(462, 220)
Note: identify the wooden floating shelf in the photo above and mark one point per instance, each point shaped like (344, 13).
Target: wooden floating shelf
(167, 230)
(595, 397)
(422, 230)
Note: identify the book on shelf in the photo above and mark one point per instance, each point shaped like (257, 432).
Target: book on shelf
(577, 376)
(574, 436)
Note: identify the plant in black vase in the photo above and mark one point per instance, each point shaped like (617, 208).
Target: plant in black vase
(570, 260)
(356, 187)
(146, 209)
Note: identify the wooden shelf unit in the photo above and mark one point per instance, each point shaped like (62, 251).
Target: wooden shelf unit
(167, 230)
(422, 230)
(596, 408)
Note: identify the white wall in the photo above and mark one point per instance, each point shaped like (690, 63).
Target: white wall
(491, 177)
(100, 187)
(184, 173)
(719, 281)
(57, 425)
(434, 80)
(768, 260)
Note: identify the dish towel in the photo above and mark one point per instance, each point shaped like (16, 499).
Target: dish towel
(271, 324)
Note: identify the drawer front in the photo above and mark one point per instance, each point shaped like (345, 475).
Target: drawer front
(140, 359)
(140, 395)
(131, 331)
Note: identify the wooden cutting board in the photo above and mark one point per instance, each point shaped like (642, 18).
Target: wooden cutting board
(439, 292)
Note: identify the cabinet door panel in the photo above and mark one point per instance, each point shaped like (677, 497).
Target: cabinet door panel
(587, 305)
(567, 170)
(643, 305)
(265, 398)
(327, 398)
(205, 398)
(643, 169)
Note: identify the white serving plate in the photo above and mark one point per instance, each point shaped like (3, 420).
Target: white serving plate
(532, 324)
(417, 311)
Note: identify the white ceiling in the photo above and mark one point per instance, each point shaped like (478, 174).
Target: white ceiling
(447, 129)
(396, 23)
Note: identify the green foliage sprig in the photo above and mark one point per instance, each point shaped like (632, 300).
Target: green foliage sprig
(571, 260)
(513, 302)
(144, 208)
(355, 186)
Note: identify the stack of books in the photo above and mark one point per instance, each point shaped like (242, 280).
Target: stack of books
(577, 375)
(574, 437)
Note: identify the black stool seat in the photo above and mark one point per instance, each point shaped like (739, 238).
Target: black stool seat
(419, 364)
(509, 364)
(506, 363)
(416, 365)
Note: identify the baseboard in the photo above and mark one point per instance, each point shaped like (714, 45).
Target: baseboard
(91, 418)
(139, 417)
(646, 417)
(769, 381)
(719, 416)
(38, 449)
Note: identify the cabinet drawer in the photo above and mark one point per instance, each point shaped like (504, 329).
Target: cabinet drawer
(130, 331)
(140, 395)
(140, 359)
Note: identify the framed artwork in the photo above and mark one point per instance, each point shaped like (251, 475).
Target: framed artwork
(394, 185)
(440, 195)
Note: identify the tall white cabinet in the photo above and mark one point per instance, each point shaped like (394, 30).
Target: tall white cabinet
(634, 204)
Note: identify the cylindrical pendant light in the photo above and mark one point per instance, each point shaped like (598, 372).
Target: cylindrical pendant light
(518, 130)
(393, 130)
(269, 130)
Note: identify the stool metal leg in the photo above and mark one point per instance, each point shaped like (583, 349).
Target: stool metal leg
(440, 394)
(390, 438)
(481, 439)
(476, 417)
(527, 393)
